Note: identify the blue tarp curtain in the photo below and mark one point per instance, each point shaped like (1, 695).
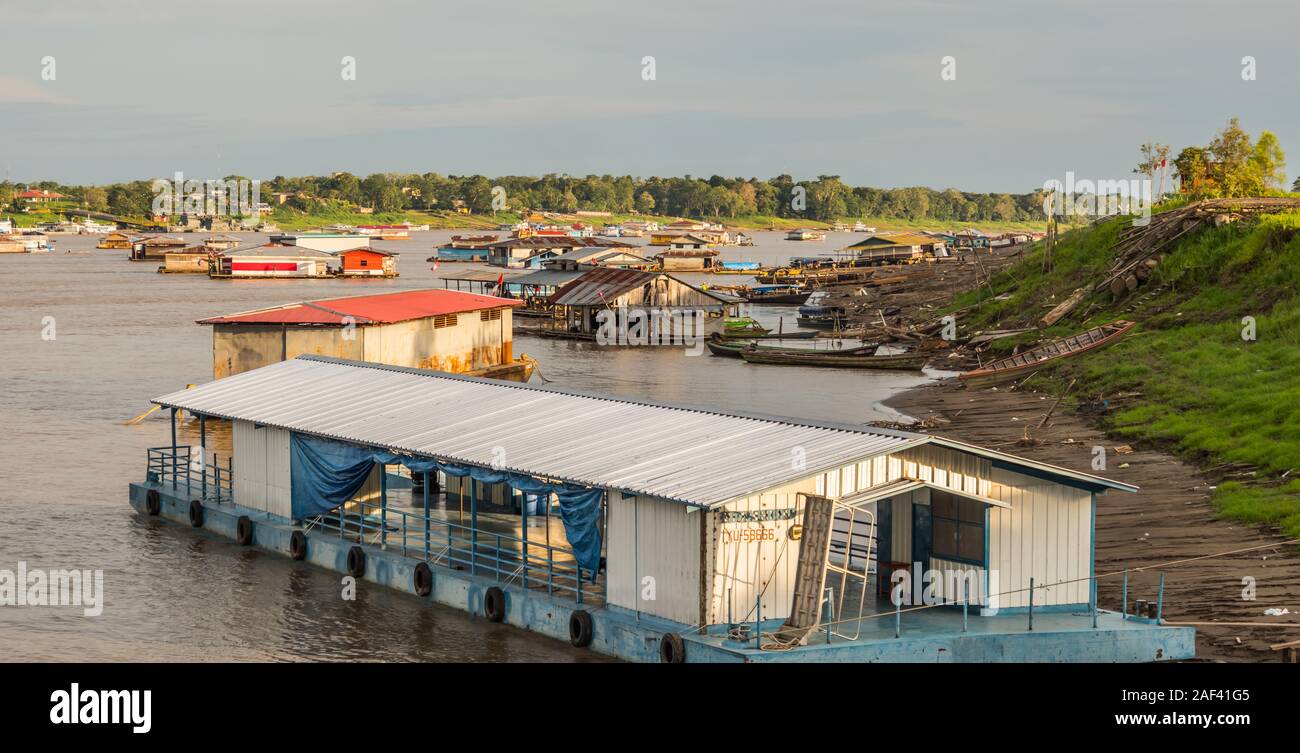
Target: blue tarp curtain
(325, 474)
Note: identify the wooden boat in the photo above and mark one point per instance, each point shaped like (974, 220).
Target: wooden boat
(743, 327)
(775, 294)
(1023, 364)
(901, 361)
(719, 346)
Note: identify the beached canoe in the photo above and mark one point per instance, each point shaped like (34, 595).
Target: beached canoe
(1023, 364)
(904, 361)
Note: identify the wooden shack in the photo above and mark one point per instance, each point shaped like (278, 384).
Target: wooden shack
(447, 330)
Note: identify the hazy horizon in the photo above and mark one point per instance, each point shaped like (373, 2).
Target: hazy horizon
(146, 89)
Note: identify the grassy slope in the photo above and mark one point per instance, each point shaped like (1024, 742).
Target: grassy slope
(1207, 393)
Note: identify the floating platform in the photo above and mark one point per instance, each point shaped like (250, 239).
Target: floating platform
(932, 635)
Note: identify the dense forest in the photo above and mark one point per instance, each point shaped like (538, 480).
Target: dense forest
(826, 198)
(1232, 164)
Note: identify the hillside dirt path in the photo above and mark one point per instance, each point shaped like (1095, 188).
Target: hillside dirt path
(1170, 519)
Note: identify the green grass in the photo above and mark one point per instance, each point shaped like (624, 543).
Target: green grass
(1208, 395)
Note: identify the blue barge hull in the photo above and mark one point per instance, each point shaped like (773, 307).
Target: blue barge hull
(933, 635)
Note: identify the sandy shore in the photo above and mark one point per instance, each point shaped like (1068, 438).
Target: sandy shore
(1170, 520)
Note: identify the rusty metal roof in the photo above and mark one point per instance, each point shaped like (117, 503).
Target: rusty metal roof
(387, 308)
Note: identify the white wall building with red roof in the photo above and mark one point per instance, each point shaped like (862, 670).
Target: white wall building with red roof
(446, 330)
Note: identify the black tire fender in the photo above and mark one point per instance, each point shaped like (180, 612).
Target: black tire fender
(671, 649)
(356, 562)
(422, 579)
(580, 628)
(152, 502)
(494, 604)
(244, 530)
(298, 545)
(196, 513)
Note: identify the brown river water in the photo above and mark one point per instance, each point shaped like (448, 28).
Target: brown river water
(124, 334)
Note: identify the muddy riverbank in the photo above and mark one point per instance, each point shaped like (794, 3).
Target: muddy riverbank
(1171, 520)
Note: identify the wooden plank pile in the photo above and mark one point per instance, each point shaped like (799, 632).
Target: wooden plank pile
(1138, 250)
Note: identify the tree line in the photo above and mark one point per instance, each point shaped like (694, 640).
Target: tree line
(827, 198)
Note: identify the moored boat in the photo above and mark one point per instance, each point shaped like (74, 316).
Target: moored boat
(720, 346)
(1023, 364)
(901, 361)
(468, 248)
(775, 294)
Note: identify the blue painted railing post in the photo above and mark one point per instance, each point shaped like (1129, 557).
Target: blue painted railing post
(217, 479)
(173, 448)
(1031, 603)
(473, 523)
(523, 507)
(898, 616)
(426, 516)
(498, 564)
(1123, 610)
(203, 450)
(965, 604)
(1094, 603)
(758, 622)
(383, 506)
(1160, 599)
(830, 612)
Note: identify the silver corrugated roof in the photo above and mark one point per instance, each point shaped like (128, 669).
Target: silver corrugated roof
(692, 456)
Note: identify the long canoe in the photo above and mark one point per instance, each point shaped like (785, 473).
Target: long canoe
(905, 361)
(1022, 364)
(731, 349)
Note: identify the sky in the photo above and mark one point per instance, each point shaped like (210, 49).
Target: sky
(145, 89)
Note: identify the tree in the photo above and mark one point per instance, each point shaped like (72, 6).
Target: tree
(1192, 168)
(1154, 164)
(645, 203)
(1268, 162)
(1231, 168)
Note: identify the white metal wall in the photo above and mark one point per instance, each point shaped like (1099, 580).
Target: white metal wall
(654, 538)
(261, 472)
(755, 560)
(1047, 535)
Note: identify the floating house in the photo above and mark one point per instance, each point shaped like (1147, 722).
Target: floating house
(531, 251)
(330, 242)
(467, 248)
(687, 258)
(386, 232)
(462, 333)
(367, 262)
(192, 260)
(223, 242)
(679, 534)
(272, 260)
(804, 234)
(900, 247)
(155, 247)
(593, 256)
(577, 304)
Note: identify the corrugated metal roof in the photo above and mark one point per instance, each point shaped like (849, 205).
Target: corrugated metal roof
(387, 308)
(600, 285)
(692, 456)
(548, 277)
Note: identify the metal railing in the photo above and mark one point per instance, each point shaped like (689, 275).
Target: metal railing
(506, 558)
(211, 482)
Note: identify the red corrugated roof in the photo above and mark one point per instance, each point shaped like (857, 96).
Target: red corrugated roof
(387, 308)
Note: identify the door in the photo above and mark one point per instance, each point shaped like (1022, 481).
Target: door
(922, 535)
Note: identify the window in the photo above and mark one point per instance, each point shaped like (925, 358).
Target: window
(365, 262)
(490, 315)
(446, 320)
(958, 527)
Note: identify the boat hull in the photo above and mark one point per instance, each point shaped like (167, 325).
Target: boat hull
(903, 362)
(1015, 367)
